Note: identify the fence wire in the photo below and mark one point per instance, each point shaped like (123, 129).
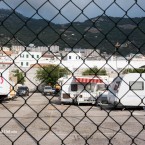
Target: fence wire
(71, 73)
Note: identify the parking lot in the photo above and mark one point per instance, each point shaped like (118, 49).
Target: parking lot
(33, 119)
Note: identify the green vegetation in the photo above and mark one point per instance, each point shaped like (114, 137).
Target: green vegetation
(50, 74)
(97, 33)
(135, 70)
(20, 76)
(94, 71)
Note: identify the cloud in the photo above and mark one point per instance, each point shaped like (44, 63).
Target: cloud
(75, 10)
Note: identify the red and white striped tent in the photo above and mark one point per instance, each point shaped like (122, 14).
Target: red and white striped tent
(88, 80)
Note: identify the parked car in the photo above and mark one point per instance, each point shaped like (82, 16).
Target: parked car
(48, 90)
(23, 91)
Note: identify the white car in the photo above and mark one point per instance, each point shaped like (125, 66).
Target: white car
(48, 90)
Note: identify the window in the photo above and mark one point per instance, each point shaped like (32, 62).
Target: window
(117, 84)
(2, 65)
(37, 56)
(87, 87)
(27, 56)
(102, 87)
(137, 85)
(74, 87)
(69, 57)
(32, 56)
(27, 63)
(21, 63)
(21, 55)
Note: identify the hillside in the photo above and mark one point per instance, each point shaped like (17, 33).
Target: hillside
(99, 33)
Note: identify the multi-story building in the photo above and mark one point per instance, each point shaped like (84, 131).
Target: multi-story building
(33, 48)
(26, 58)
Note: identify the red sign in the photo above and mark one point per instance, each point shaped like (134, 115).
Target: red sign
(1, 80)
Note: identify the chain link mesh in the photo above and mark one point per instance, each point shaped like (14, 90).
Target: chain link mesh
(60, 61)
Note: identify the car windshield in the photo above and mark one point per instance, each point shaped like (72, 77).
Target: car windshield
(22, 88)
(48, 87)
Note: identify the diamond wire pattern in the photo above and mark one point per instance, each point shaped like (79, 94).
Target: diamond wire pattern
(37, 35)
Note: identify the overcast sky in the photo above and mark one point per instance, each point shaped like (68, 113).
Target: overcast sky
(72, 12)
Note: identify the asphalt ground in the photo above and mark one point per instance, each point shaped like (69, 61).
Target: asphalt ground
(39, 119)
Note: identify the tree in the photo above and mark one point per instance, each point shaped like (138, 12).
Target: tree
(20, 76)
(94, 71)
(135, 70)
(50, 74)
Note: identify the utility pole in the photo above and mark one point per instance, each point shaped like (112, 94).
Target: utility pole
(117, 45)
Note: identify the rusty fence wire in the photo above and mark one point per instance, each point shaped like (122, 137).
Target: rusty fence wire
(72, 72)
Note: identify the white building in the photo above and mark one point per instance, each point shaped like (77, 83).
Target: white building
(16, 48)
(26, 58)
(32, 47)
(4, 48)
(54, 48)
(72, 56)
(91, 53)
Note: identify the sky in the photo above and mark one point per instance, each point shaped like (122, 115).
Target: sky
(65, 11)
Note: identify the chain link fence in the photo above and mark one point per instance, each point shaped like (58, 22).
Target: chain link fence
(72, 72)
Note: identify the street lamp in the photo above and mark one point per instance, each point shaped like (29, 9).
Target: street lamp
(117, 45)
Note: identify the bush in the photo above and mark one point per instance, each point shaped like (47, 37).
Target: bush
(135, 70)
(94, 71)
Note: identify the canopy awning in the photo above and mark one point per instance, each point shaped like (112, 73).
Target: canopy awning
(88, 80)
